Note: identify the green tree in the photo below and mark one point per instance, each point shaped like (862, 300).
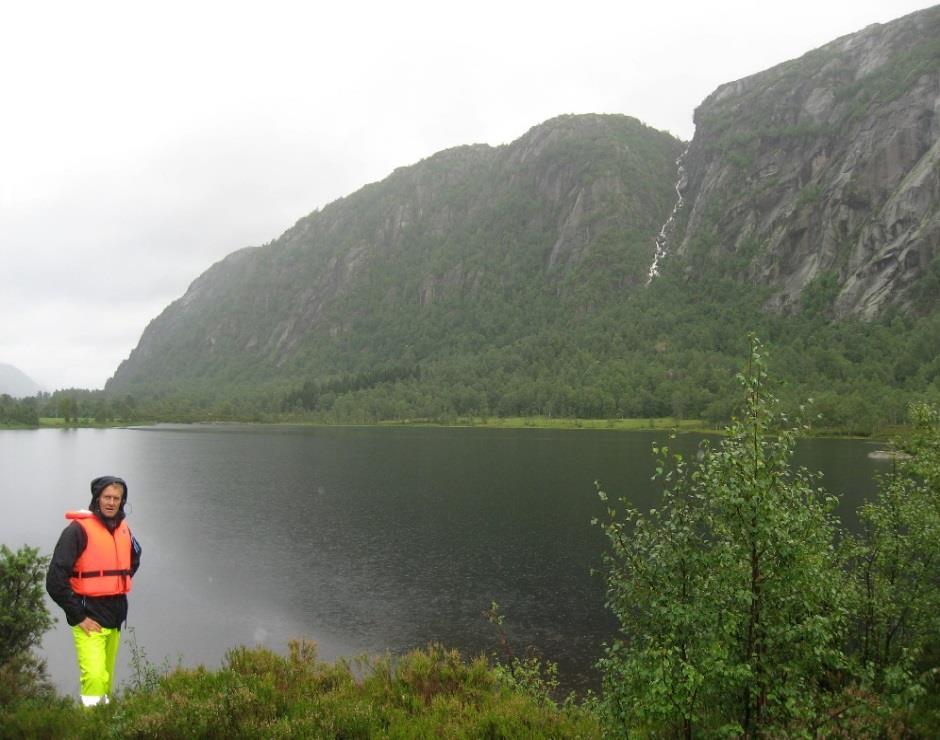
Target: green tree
(731, 594)
(23, 620)
(67, 408)
(18, 412)
(102, 411)
(898, 570)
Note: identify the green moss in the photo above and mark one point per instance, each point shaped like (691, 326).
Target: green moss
(809, 195)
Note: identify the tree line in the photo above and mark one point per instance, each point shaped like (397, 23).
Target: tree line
(654, 355)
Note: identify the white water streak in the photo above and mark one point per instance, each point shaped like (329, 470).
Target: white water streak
(660, 252)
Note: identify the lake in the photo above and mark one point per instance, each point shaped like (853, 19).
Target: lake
(363, 539)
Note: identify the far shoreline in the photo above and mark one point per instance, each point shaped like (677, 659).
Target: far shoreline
(661, 424)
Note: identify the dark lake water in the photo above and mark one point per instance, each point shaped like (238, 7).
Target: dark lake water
(363, 539)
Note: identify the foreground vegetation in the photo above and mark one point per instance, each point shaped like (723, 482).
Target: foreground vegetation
(748, 610)
(426, 693)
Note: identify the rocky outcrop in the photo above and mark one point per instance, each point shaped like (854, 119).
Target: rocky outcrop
(825, 167)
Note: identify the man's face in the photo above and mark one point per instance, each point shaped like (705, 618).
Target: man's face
(110, 500)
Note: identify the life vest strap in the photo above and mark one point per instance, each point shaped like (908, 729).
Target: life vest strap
(99, 573)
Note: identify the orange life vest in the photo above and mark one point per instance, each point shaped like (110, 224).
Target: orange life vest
(104, 568)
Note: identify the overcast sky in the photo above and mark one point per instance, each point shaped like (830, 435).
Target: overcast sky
(142, 142)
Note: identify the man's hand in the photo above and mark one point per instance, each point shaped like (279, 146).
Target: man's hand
(89, 625)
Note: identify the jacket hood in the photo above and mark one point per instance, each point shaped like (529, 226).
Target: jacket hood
(97, 486)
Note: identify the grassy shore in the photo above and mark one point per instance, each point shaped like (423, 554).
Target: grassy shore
(546, 422)
(492, 422)
(487, 422)
(54, 422)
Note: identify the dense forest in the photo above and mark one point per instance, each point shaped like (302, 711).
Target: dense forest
(660, 357)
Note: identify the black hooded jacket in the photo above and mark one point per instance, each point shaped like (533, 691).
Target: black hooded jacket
(108, 611)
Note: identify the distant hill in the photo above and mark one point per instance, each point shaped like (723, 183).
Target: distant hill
(14, 382)
(513, 280)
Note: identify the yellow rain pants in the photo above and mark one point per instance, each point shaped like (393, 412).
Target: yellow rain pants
(97, 654)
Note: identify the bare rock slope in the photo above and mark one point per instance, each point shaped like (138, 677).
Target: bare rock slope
(825, 168)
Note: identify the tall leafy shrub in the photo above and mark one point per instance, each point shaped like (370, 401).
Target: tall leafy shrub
(731, 595)
(23, 620)
(897, 573)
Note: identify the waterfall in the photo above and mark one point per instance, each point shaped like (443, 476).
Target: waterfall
(660, 251)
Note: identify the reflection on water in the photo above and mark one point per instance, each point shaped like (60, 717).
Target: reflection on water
(364, 539)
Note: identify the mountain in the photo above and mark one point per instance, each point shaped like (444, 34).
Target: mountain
(514, 280)
(474, 246)
(14, 382)
(823, 173)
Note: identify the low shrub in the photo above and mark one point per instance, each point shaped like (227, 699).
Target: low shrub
(257, 693)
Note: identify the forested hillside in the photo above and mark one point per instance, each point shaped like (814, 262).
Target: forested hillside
(471, 250)
(512, 280)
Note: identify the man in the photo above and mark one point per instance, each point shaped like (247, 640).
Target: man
(89, 577)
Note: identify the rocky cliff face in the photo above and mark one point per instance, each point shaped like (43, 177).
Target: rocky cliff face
(825, 170)
(571, 207)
